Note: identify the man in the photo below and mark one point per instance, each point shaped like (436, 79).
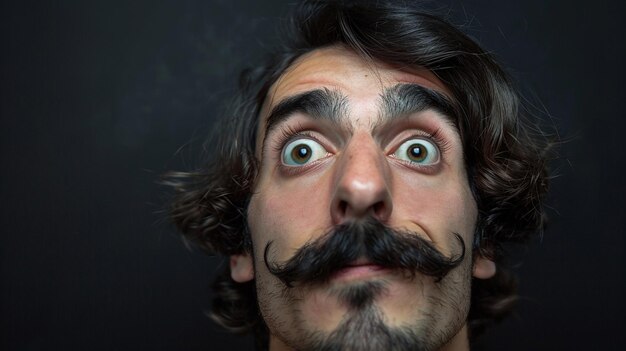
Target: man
(365, 183)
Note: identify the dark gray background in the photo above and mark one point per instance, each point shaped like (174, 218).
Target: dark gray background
(98, 97)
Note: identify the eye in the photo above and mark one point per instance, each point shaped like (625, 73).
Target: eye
(302, 151)
(419, 151)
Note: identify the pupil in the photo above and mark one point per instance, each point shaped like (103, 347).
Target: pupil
(417, 152)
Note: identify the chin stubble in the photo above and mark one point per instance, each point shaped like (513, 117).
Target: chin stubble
(365, 329)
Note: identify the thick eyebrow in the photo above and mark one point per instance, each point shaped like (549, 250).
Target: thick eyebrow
(318, 104)
(404, 99)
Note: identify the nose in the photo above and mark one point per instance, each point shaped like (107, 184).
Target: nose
(361, 183)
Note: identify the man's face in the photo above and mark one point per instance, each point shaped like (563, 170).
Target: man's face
(357, 158)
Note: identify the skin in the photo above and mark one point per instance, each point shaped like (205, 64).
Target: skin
(359, 174)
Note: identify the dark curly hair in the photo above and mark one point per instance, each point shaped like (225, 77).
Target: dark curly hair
(505, 156)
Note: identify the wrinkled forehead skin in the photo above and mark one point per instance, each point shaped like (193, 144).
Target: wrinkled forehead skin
(320, 62)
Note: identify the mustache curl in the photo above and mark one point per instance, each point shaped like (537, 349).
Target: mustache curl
(318, 260)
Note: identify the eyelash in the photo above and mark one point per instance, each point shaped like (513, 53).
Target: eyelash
(442, 143)
(289, 133)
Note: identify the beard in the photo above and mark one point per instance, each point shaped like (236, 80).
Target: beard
(364, 325)
(366, 330)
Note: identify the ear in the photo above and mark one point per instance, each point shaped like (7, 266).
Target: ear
(484, 268)
(241, 268)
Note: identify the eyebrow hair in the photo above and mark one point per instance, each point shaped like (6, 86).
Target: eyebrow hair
(404, 99)
(318, 104)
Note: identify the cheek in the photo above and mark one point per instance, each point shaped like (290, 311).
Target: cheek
(288, 214)
(440, 206)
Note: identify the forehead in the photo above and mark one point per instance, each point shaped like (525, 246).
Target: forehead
(338, 68)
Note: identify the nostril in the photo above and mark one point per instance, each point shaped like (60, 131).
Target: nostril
(339, 212)
(380, 211)
(342, 208)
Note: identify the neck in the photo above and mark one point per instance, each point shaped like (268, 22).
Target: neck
(278, 345)
(459, 342)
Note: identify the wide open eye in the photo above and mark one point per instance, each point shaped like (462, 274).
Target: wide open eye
(419, 151)
(302, 151)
